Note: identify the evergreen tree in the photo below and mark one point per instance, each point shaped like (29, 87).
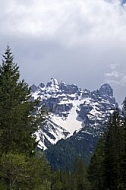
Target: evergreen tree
(20, 167)
(80, 176)
(17, 112)
(57, 180)
(112, 153)
(95, 170)
(18, 172)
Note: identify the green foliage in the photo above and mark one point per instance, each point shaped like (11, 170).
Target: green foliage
(20, 172)
(14, 170)
(80, 175)
(71, 180)
(112, 152)
(95, 172)
(57, 182)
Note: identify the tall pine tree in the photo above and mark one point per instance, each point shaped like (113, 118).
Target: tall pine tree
(80, 175)
(95, 169)
(112, 149)
(18, 119)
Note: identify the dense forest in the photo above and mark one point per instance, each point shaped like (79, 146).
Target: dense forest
(22, 167)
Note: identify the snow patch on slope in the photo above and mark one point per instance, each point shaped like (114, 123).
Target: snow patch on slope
(72, 122)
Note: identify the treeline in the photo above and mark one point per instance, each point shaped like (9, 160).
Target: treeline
(76, 179)
(22, 167)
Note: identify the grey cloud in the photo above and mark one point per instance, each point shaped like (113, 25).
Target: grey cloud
(81, 42)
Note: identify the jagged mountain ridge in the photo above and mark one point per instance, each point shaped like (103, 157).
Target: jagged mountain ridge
(72, 111)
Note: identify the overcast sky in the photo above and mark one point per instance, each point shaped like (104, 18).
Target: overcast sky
(75, 41)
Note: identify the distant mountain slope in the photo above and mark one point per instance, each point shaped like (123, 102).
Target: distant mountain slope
(73, 112)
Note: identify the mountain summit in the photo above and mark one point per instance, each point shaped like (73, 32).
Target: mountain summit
(106, 89)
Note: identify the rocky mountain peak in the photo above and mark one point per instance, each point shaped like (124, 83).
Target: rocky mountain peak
(53, 82)
(52, 86)
(106, 89)
(33, 88)
(41, 85)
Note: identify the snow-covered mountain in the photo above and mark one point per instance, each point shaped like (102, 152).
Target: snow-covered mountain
(72, 111)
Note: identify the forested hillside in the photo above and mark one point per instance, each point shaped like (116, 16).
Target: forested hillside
(22, 167)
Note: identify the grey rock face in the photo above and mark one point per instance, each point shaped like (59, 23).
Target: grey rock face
(41, 85)
(33, 88)
(68, 89)
(106, 89)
